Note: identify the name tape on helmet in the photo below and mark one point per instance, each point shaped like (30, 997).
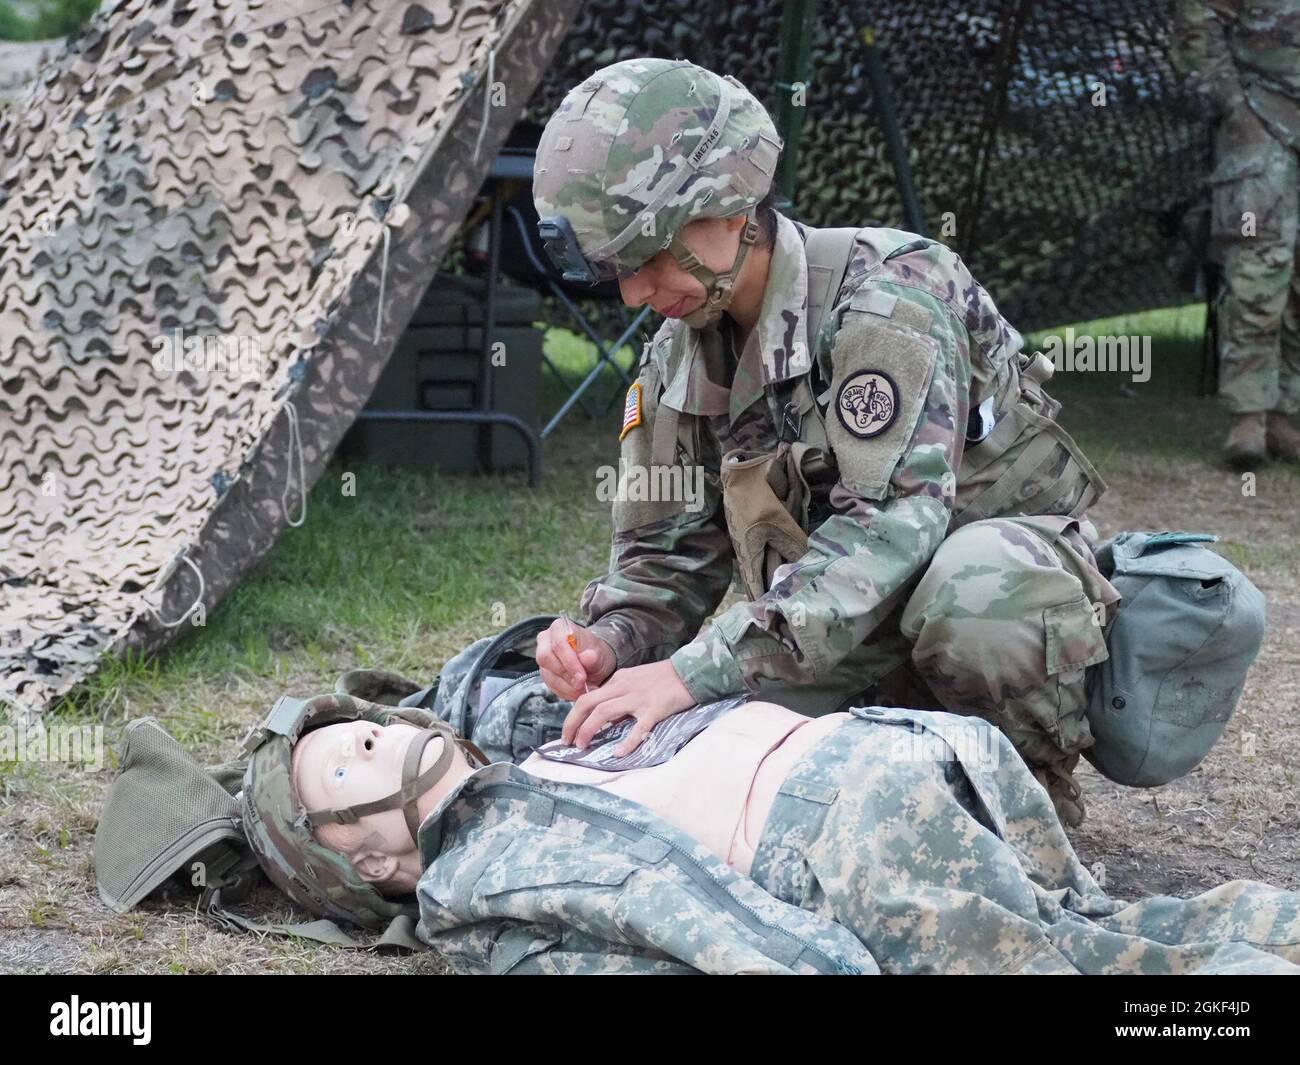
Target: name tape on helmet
(674, 185)
(705, 146)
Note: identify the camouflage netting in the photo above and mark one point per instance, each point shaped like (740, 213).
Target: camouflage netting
(237, 170)
(253, 172)
(21, 63)
(1065, 211)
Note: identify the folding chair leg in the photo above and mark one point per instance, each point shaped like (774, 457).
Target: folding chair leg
(591, 335)
(604, 357)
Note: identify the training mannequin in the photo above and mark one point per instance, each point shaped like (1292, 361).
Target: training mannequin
(918, 840)
(717, 789)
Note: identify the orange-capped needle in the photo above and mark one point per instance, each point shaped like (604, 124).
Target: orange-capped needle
(572, 641)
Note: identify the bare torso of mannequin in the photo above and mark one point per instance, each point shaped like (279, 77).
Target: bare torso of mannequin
(718, 789)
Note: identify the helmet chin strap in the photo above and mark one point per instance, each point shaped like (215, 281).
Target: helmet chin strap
(414, 783)
(719, 288)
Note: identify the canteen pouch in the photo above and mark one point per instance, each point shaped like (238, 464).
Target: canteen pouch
(1187, 629)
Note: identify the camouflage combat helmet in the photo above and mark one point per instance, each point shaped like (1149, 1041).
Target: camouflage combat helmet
(279, 828)
(637, 151)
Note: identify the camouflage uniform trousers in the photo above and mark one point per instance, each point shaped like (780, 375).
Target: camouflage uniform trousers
(929, 839)
(1254, 187)
(1004, 624)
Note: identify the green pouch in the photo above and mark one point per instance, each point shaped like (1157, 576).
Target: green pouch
(165, 815)
(1188, 628)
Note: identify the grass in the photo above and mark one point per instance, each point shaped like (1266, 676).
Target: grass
(418, 564)
(1111, 415)
(38, 20)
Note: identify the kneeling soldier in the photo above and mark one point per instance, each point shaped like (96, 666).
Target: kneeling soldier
(880, 461)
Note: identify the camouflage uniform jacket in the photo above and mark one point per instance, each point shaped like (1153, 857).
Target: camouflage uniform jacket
(908, 319)
(523, 875)
(1244, 53)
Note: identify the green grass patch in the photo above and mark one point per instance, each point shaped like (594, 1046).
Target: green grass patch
(1115, 418)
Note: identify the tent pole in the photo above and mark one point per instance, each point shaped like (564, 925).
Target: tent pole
(792, 76)
(894, 144)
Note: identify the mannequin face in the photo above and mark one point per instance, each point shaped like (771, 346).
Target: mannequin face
(356, 762)
(668, 288)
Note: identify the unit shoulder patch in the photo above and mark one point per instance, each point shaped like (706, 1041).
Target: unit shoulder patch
(631, 409)
(867, 403)
(881, 372)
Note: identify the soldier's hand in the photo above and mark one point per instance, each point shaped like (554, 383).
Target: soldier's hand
(567, 672)
(647, 693)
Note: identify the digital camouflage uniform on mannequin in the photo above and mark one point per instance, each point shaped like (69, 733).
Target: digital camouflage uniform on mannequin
(903, 842)
(1246, 60)
(905, 514)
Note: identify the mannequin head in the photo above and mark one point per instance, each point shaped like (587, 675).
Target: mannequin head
(356, 762)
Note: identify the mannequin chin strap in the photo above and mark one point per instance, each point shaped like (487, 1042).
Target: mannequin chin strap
(414, 783)
(719, 288)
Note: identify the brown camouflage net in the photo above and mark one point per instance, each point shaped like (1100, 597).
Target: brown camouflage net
(249, 172)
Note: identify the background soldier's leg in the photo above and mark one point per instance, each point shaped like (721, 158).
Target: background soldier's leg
(1283, 433)
(1003, 627)
(1254, 224)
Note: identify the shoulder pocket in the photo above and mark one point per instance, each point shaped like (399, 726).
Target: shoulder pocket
(881, 374)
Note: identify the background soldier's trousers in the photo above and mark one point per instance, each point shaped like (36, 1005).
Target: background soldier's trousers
(1254, 188)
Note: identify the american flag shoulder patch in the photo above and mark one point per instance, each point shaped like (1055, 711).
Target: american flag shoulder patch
(631, 409)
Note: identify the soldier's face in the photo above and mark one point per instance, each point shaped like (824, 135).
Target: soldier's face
(668, 288)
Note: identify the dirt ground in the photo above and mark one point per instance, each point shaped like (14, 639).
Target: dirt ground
(1236, 816)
